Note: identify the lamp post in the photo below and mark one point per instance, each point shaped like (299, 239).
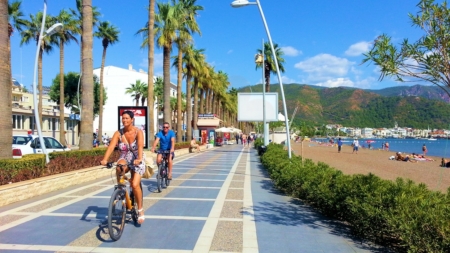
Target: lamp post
(261, 59)
(53, 29)
(242, 3)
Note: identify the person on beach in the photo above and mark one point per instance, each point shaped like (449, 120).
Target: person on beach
(386, 146)
(339, 143)
(445, 162)
(424, 149)
(355, 146)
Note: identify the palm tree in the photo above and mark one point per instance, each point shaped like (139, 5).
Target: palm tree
(159, 93)
(15, 22)
(78, 14)
(109, 35)
(32, 32)
(136, 90)
(199, 73)
(191, 64)
(166, 24)
(151, 58)
(188, 26)
(5, 84)
(65, 35)
(87, 99)
(269, 62)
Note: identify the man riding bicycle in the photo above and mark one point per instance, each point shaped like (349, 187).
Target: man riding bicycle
(166, 138)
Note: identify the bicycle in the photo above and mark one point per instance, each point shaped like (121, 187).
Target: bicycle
(122, 201)
(163, 175)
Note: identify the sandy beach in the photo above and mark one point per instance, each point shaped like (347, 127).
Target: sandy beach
(377, 162)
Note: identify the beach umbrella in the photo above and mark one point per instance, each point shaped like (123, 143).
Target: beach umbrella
(223, 130)
(370, 141)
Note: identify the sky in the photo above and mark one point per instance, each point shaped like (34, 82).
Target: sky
(322, 40)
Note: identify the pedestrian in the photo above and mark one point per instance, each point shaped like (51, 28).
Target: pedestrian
(386, 146)
(424, 149)
(237, 138)
(368, 145)
(355, 146)
(339, 143)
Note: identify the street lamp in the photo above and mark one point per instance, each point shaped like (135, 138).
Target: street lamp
(242, 3)
(53, 29)
(260, 59)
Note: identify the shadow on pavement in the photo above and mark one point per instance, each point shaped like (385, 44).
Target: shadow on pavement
(297, 213)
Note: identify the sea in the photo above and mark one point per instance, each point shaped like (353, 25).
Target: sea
(439, 147)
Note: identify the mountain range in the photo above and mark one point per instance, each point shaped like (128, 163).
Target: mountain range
(415, 106)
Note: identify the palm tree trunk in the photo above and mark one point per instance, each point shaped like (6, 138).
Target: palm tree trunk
(195, 110)
(62, 136)
(100, 113)
(87, 98)
(151, 52)
(6, 132)
(213, 103)
(40, 87)
(188, 108)
(166, 76)
(180, 78)
(202, 101)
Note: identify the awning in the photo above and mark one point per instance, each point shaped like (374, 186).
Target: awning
(208, 122)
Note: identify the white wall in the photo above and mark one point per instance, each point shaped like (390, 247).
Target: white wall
(115, 81)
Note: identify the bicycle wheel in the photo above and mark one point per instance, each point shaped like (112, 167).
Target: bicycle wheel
(159, 178)
(116, 214)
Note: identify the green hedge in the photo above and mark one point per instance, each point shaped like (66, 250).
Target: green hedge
(398, 213)
(33, 165)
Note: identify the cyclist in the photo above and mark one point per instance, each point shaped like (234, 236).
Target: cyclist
(131, 148)
(167, 139)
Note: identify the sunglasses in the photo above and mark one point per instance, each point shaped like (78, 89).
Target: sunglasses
(165, 127)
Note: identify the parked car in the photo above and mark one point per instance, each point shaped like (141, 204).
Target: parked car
(29, 144)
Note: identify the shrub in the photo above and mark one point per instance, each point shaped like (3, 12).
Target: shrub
(401, 214)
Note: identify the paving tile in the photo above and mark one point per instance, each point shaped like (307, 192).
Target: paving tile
(47, 230)
(160, 234)
(198, 193)
(202, 183)
(10, 218)
(47, 204)
(189, 208)
(232, 209)
(228, 237)
(237, 194)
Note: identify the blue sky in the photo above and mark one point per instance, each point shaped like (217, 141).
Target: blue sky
(323, 40)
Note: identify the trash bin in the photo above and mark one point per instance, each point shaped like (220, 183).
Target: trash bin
(262, 150)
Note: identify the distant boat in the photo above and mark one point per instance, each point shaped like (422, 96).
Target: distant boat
(432, 139)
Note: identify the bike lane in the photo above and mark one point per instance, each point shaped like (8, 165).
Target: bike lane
(74, 220)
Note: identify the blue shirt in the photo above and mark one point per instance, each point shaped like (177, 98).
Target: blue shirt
(165, 142)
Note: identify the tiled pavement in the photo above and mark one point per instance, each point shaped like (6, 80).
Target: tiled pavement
(219, 201)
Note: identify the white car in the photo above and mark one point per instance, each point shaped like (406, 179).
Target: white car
(29, 144)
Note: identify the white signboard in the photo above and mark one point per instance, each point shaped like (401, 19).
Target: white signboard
(250, 106)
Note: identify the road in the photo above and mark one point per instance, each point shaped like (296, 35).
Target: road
(220, 200)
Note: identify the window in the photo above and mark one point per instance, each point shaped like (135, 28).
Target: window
(52, 143)
(17, 121)
(31, 118)
(24, 99)
(16, 99)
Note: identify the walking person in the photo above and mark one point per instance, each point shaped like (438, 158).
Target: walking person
(236, 136)
(355, 146)
(339, 143)
(424, 149)
(386, 146)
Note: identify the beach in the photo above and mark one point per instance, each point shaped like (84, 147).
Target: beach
(377, 162)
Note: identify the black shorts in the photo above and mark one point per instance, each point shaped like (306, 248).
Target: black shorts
(172, 153)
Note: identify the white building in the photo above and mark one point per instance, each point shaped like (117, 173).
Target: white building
(116, 80)
(367, 132)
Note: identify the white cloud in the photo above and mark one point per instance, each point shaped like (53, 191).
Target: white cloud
(287, 80)
(290, 51)
(358, 48)
(323, 66)
(337, 82)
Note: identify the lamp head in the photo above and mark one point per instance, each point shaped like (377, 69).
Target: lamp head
(240, 3)
(54, 29)
(258, 58)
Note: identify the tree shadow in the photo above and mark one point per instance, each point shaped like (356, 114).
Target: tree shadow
(295, 212)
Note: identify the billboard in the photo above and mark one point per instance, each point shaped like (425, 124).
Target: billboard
(250, 106)
(140, 119)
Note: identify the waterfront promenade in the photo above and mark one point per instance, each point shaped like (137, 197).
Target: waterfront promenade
(220, 200)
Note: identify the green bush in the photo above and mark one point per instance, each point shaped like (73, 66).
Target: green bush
(401, 214)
